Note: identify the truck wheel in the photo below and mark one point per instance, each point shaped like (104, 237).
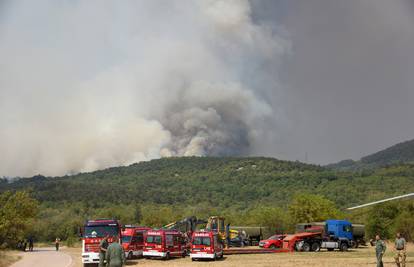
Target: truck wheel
(306, 247)
(316, 247)
(272, 246)
(344, 247)
(167, 257)
(129, 255)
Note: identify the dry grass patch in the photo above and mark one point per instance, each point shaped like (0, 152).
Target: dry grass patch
(7, 258)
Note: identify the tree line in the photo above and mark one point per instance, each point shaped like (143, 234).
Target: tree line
(22, 216)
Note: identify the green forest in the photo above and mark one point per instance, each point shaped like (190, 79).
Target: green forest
(247, 191)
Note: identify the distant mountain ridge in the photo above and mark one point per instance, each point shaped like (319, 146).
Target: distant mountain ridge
(397, 154)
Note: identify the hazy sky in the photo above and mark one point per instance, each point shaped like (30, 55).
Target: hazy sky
(86, 85)
(349, 79)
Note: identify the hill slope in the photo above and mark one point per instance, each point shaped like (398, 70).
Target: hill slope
(219, 182)
(397, 154)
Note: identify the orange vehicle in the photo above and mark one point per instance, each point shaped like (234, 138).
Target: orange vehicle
(133, 240)
(206, 245)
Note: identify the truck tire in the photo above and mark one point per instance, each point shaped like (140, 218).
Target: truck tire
(306, 247)
(272, 246)
(167, 257)
(129, 255)
(343, 246)
(316, 246)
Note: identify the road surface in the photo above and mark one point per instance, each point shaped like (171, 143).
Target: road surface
(44, 257)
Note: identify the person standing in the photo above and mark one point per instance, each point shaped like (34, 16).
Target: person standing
(30, 243)
(57, 243)
(115, 255)
(380, 248)
(400, 249)
(103, 246)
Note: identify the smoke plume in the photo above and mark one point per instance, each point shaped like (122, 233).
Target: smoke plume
(86, 85)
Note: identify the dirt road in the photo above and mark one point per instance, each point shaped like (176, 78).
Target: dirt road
(44, 257)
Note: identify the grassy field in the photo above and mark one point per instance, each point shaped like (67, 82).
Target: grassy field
(354, 258)
(8, 257)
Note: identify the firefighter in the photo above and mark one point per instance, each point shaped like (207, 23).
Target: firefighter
(103, 246)
(400, 250)
(115, 255)
(380, 248)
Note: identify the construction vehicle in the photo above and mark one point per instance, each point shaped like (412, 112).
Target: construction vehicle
(238, 235)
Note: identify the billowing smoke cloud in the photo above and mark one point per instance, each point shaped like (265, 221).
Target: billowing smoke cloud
(86, 85)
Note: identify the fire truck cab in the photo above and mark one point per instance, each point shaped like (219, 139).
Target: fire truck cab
(92, 234)
(164, 244)
(206, 245)
(133, 240)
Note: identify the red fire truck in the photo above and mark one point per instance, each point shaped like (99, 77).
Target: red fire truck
(164, 244)
(206, 245)
(92, 234)
(133, 240)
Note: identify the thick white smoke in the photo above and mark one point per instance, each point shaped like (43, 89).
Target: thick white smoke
(86, 85)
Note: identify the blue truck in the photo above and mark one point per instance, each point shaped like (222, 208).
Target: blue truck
(330, 234)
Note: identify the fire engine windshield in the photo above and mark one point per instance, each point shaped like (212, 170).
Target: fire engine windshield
(101, 230)
(201, 241)
(126, 238)
(155, 239)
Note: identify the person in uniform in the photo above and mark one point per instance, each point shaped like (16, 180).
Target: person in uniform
(400, 250)
(115, 255)
(380, 248)
(103, 246)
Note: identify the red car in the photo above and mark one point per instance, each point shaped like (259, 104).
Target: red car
(273, 242)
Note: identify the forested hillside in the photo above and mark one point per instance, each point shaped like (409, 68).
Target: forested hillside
(255, 191)
(217, 181)
(397, 154)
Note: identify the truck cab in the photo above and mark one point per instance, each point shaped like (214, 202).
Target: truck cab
(94, 231)
(331, 234)
(206, 245)
(164, 244)
(133, 240)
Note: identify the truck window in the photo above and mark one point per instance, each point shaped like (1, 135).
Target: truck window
(126, 238)
(347, 228)
(139, 238)
(169, 240)
(201, 241)
(155, 239)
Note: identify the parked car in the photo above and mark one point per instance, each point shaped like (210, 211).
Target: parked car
(273, 242)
